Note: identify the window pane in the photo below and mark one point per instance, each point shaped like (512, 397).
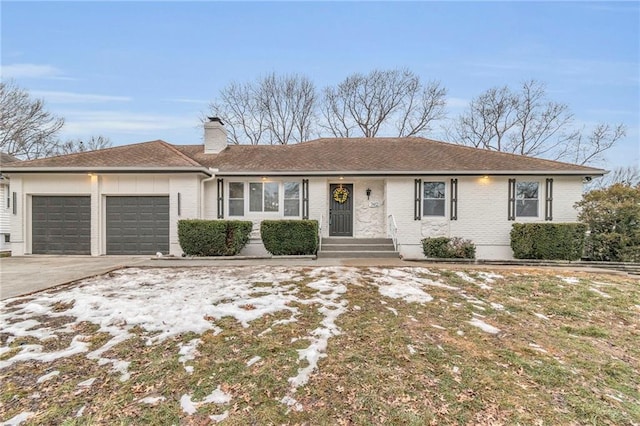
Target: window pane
(433, 190)
(255, 197)
(433, 207)
(236, 207)
(236, 190)
(291, 207)
(527, 190)
(291, 190)
(527, 208)
(271, 197)
(527, 199)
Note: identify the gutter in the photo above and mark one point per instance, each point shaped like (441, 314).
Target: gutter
(593, 172)
(212, 176)
(86, 169)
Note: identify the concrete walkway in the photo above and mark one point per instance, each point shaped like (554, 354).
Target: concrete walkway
(28, 274)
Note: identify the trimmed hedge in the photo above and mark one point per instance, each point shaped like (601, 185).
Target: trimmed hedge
(290, 237)
(548, 241)
(213, 237)
(448, 248)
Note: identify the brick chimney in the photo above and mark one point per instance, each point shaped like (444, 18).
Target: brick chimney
(215, 136)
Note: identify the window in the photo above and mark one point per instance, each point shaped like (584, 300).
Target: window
(291, 199)
(526, 199)
(7, 238)
(264, 197)
(236, 198)
(433, 199)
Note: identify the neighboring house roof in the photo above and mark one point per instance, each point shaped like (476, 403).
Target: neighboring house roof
(372, 156)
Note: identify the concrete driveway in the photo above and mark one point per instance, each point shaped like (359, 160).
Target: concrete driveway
(24, 275)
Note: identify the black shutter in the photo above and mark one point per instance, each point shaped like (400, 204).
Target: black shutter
(417, 211)
(548, 205)
(15, 203)
(305, 198)
(220, 198)
(454, 200)
(511, 214)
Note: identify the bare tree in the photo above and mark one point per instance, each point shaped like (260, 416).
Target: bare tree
(239, 108)
(288, 102)
(368, 104)
(72, 146)
(27, 130)
(273, 109)
(527, 123)
(629, 175)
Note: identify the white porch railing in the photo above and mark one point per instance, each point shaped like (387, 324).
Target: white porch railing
(393, 230)
(320, 232)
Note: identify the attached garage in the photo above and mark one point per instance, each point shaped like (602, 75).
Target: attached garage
(137, 225)
(61, 224)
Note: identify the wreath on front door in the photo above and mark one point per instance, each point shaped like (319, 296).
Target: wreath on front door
(341, 195)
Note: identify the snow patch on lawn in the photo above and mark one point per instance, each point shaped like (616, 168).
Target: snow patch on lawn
(152, 400)
(600, 293)
(330, 308)
(541, 316)
(48, 376)
(568, 280)
(253, 360)
(216, 397)
(18, 419)
(487, 328)
(162, 302)
(188, 352)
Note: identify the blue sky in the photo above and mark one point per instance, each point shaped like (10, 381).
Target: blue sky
(137, 71)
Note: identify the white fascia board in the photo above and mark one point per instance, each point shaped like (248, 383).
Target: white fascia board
(16, 170)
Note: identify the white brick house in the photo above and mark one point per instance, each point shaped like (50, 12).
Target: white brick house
(128, 199)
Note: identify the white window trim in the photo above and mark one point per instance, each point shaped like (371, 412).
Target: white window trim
(247, 212)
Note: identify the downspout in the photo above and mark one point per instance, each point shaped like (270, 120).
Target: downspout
(202, 182)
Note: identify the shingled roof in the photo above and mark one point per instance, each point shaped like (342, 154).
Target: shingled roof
(321, 156)
(373, 156)
(153, 155)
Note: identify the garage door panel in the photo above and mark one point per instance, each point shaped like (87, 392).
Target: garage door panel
(61, 225)
(137, 225)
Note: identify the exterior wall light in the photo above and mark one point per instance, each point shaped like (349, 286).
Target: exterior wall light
(368, 193)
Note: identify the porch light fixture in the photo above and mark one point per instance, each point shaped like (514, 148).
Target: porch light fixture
(368, 193)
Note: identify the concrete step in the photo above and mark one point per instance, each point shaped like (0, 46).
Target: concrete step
(357, 247)
(357, 254)
(343, 247)
(348, 240)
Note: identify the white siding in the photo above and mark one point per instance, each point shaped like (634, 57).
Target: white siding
(482, 212)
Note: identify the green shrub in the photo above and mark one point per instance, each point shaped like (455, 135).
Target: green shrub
(613, 217)
(448, 248)
(548, 241)
(213, 237)
(290, 237)
(237, 235)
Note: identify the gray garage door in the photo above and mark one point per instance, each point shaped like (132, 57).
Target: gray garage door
(60, 225)
(137, 225)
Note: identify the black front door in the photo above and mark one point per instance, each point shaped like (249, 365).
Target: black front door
(341, 210)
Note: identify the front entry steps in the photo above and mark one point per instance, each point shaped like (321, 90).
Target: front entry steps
(357, 247)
